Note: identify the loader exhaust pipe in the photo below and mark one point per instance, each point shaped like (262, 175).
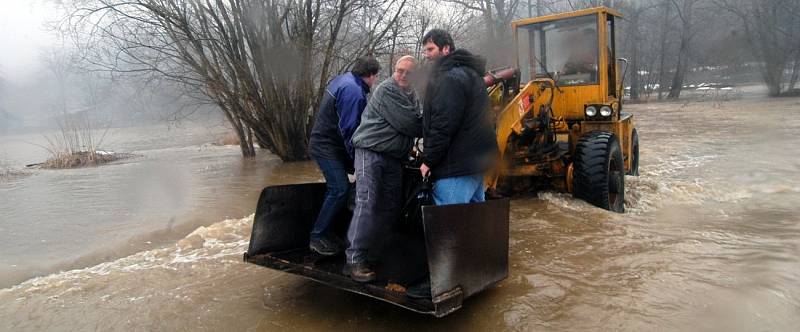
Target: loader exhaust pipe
(500, 75)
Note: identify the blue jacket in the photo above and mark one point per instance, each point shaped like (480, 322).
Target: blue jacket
(339, 115)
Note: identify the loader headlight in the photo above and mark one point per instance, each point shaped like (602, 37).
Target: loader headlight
(605, 111)
(591, 111)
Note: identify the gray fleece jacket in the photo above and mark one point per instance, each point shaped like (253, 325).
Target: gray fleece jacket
(390, 122)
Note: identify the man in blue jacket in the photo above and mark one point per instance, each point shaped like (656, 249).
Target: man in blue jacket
(343, 102)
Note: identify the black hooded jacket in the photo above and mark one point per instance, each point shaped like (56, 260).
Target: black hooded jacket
(458, 130)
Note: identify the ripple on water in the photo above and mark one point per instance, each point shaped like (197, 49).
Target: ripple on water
(223, 240)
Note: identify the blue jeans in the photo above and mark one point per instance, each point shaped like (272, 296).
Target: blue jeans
(459, 190)
(338, 184)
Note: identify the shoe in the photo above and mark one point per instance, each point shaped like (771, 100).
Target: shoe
(325, 246)
(420, 290)
(359, 272)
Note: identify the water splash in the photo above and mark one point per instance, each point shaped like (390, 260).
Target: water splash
(225, 240)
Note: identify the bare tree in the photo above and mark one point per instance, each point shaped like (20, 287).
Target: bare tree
(664, 27)
(61, 67)
(771, 28)
(685, 10)
(634, 39)
(255, 59)
(496, 16)
(580, 4)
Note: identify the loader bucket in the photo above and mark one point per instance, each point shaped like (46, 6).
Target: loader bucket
(463, 249)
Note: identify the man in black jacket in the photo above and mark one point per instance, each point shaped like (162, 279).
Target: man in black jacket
(343, 102)
(458, 130)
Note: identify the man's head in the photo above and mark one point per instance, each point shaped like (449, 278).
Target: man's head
(437, 43)
(367, 68)
(403, 69)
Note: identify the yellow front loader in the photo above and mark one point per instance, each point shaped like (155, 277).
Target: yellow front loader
(563, 127)
(559, 111)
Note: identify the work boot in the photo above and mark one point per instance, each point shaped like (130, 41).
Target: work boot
(325, 246)
(420, 290)
(359, 271)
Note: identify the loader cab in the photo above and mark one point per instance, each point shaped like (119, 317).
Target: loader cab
(576, 50)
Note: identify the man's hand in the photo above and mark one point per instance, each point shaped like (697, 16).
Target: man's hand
(424, 170)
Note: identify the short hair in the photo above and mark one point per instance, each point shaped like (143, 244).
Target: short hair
(406, 58)
(440, 38)
(365, 66)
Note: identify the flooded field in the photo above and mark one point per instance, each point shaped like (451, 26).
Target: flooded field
(710, 241)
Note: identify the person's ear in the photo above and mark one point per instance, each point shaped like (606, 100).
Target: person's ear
(446, 50)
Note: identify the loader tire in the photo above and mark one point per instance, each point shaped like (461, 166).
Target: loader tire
(599, 171)
(634, 154)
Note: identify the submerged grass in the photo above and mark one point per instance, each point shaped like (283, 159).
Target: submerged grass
(80, 159)
(75, 145)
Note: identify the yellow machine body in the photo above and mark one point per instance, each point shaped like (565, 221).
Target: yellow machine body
(553, 94)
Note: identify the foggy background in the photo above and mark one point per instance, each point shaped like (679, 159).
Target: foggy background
(42, 78)
(121, 64)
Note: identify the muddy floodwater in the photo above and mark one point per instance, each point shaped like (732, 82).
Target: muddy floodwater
(710, 241)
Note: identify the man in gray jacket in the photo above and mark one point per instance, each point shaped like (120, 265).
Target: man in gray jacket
(388, 127)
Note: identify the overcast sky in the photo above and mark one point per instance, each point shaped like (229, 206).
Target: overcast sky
(22, 36)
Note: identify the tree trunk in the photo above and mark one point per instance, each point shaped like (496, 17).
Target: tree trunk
(795, 72)
(245, 144)
(240, 129)
(663, 48)
(489, 20)
(326, 62)
(773, 76)
(680, 71)
(764, 23)
(249, 138)
(635, 79)
(685, 14)
(395, 33)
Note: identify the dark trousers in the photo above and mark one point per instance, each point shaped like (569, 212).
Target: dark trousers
(338, 187)
(378, 200)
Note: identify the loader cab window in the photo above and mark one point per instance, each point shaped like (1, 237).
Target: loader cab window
(566, 50)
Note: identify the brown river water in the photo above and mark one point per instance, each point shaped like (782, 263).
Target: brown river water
(710, 241)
